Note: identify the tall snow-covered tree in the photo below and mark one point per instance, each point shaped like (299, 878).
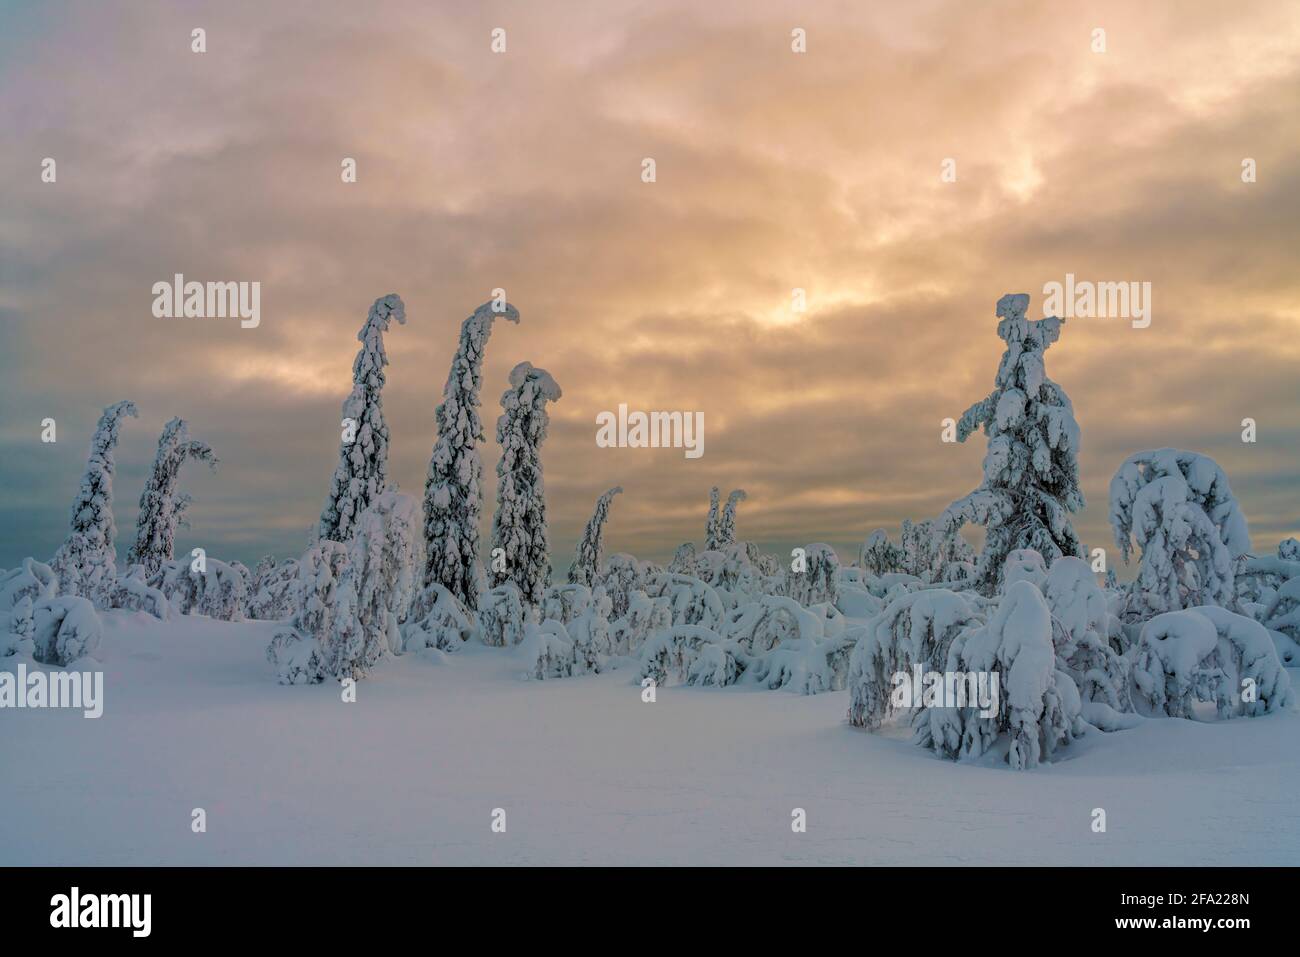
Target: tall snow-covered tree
(161, 506)
(587, 568)
(519, 526)
(1031, 468)
(727, 524)
(712, 540)
(362, 473)
(453, 493)
(86, 562)
(1180, 510)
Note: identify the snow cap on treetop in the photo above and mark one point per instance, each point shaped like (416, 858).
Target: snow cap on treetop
(1013, 304)
(385, 308)
(540, 377)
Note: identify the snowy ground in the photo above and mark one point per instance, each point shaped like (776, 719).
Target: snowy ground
(587, 774)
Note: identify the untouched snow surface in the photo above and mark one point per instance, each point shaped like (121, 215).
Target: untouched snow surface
(586, 772)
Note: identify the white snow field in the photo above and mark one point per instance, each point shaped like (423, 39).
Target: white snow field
(586, 772)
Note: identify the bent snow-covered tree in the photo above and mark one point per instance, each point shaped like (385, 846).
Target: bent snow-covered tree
(727, 524)
(587, 568)
(1181, 512)
(1031, 468)
(161, 506)
(453, 493)
(362, 473)
(519, 526)
(86, 562)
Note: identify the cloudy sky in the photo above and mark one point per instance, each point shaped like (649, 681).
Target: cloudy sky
(522, 170)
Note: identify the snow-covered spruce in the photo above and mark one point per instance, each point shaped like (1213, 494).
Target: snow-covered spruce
(215, 589)
(453, 491)
(271, 594)
(683, 561)
(915, 630)
(161, 506)
(879, 555)
(132, 593)
(519, 526)
(1031, 468)
(86, 562)
(438, 619)
(590, 634)
(21, 589)
(589, 561)
(731, 572)
(690, 600)
(362, 473)
(1276, 605)
(645, 616)
(727, 523)
(547, 649)
(384, 559)
(1289, 550)
(815, 580)
(783, 644)
(564, 603)
(691, 654)
(1179, 509)
(621, 578)
(65, 629)
(1038, 709)
(502, 616)
(712, 535)
(297, 650)
(1209, 654)
(1085, 636)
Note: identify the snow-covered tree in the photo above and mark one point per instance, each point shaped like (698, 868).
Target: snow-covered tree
(385, 557)
(645, 616)
(815, 580)
(161, 506)
(588, 564)
(879, 556)
(914, 631)
(519, 526)
(1209, 654)
(298, 650)
(622, 577)
(1082, 628)
(1031, 469)
(453, 492)
(919, 549)
(683, 562)
(1180, 510)
(727, 524)
(691, 601)
(216, 589)
(270, 596)
(362, 472)
(66, 629)
(712, 535)
(1036, 707)
(86, 563)
(502, 616)
(438, 619)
